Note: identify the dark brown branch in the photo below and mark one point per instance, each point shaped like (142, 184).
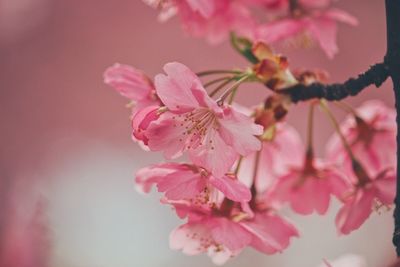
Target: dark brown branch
(376, 75)
(392, 60)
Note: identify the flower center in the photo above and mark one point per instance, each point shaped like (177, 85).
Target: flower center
(196, 125)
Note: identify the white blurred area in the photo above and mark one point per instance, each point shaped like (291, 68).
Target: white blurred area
(19, 18)
(67, 133)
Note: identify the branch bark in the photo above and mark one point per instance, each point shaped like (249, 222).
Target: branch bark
(376, 75)
(392, 60)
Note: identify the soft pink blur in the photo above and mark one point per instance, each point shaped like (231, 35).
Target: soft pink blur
(66, 135)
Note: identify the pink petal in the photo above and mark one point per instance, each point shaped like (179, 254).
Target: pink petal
(175, 88)
(216, 156)
(141, 120)
(229, 234)
(128, 81)
(284, 151)
(166, 135)
(205, 7)
(271, 233)
(146, 177)
(341, 15)
(231, 188)
(324, 31)
(338, 184)
(239, 131)
(183, 184)
(187, 238)
(279, 30)
(386, 188)
(355, 211)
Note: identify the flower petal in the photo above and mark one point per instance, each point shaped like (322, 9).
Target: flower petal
(231, 188)
(128, 81)
(239, 131)
(175, 88)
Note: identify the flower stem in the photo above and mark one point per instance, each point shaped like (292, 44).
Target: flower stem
(207, 84)
(238, 165)
(255, 170)
(310, 129)
(219, 87)
(357, 167)
(231, 89)
(336, 126)
(212, 72)
(346, 107)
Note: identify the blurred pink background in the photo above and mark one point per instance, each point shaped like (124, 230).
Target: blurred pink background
(66, 147)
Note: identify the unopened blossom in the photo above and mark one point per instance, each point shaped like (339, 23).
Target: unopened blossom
(371, 135)
(139, 88)
(272, 69)
(190, 182)
(314, 20)
(308, 188)
(224, 231)
(213, 133)
(281, 149)
(368, 193)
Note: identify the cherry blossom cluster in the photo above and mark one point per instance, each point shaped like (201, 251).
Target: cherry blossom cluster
(229, 170)
(299, 22)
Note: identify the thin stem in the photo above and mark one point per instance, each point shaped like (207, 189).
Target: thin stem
(212, 72)
(310, 128)
(336, 126)
(222, 98)
(255, 170)
(238, 165)
(346, 107)
(222, 85)
(232, 96)
(207, 84)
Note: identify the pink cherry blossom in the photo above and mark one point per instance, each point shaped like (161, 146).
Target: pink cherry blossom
(359, 203)
(189, 182)
(204, 8)
(282, 150)
(309, 188)
(215, 19)
(371, 136)
(213, 134)
(224, 231)
(319, 25)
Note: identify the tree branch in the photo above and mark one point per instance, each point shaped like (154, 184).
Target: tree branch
(392, 60)
(376, 75)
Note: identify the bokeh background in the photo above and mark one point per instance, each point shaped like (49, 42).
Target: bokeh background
(66, 158)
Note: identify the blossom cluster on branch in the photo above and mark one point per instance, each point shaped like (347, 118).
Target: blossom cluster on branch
(301, 22)
(230, 169)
